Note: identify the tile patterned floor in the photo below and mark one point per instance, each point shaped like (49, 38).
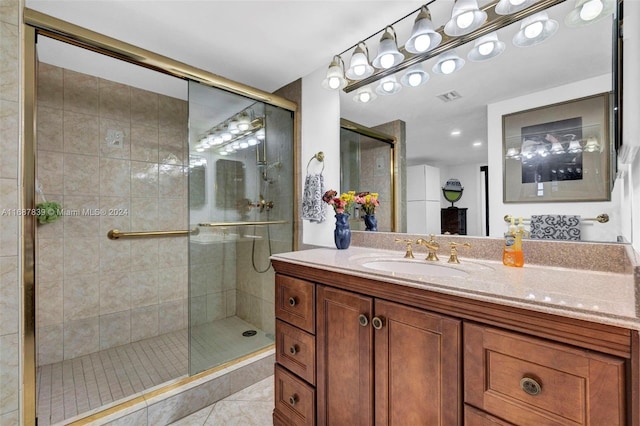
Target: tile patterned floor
(68, 388)
(252, 406)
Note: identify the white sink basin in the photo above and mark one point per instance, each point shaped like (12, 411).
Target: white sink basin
(414, 268)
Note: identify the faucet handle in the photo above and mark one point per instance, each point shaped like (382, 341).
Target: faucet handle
(454, 251)
(409, 253)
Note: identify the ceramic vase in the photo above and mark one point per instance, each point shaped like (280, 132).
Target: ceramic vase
(370, 222)
(342, 233)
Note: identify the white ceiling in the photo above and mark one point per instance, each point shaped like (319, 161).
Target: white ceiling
(268, 44)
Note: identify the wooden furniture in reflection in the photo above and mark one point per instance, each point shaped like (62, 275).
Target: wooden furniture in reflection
(453, 220)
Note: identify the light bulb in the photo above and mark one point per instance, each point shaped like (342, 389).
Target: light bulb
(365, 97)
(260, 134)
(334, 82)
(233, 127)
(252, 141)
(422, 42)
(226, 136)
(359, 69)
(591, 9)
(464, 20)
(486, 48)
(388, 86)
(217, 140)
(516, 2)
(386, 60)
(199, 149)
(244, 145)
(229, 148)
(448, 66)
(415, 79)
(533, 30)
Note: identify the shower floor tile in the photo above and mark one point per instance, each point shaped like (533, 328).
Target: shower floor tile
(72, 387)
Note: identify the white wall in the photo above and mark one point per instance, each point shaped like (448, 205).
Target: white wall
(469, 177)
(320, 132)
(591, 231)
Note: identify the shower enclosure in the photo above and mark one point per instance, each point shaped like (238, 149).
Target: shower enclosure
(186, 286)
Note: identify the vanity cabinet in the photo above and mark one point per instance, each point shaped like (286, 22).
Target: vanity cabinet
(385, 363)
(389, 354)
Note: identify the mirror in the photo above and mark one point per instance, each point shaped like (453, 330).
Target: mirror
(454, 122)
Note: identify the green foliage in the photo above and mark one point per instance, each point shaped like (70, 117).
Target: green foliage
(48, 212)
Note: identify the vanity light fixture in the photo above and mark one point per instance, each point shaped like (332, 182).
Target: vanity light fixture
(415, 76)
(466, 17)
(359, 66)
(388, 86)
(588, 11)
(508, 7)
(592, 145)
(388, 53)
(448, 63)
(574, 147)
(260, 134)
(535, 29)
(364, 95)
(557, 148)
(226, 134)
(335, 75)
(486, 47)
(513, 154)
(423, 35)
(244, 123)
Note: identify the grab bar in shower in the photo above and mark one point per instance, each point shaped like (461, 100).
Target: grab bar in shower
(223, 224)
(114, 234)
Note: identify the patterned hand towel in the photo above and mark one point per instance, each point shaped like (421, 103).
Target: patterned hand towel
(313, 208)
(555, 227)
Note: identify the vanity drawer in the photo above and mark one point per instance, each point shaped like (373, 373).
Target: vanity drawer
(529, 381)
(295, 301)
(473, 417)
(296, 350)
(295, 400)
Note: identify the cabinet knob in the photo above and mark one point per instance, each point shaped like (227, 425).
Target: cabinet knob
(530, 386)
(364, 321)
(377, 322)
(293, 399)
(292, 301)
(293, 349)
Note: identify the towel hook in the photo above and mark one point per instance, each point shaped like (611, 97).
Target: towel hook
(318, 157)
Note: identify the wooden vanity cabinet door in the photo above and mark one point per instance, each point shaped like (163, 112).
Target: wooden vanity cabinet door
(562, 385)
(344, 383)
(417, 367)
(294, 302)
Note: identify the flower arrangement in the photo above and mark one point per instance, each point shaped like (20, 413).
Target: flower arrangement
(368, 201)
(341, 204)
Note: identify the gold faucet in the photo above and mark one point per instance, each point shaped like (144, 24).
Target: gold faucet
(431, 245)
(409, 253)
(454, 251)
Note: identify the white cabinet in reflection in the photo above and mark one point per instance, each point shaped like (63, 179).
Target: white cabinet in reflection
(423, 199)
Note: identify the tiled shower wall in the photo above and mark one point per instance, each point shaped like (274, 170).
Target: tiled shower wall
(94, 293)
(10, 20)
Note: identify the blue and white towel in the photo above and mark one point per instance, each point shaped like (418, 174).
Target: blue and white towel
(555, 227)
(313, 208)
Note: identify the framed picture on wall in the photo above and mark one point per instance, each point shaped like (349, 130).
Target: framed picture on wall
(558, 153)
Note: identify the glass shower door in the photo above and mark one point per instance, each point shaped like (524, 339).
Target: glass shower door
(240, 208)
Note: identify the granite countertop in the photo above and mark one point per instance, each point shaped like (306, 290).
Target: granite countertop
(602, 297)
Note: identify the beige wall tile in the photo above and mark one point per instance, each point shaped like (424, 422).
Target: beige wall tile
(81, 337)
(81, 175)
(144, 179)
(50, 259)
(216, 306)
(172, 214)
(80, 92)
(9, 217)
(81, 256)
(9, 66)
(50, 344)
(115, 292)
(172, 283)
(49, 299)
(144, 107)
(115, 329)
(9, 372)
(50, 129)
(115, 177)
(81, 296)
(144, 254)
(118, 214)
(198, 310)
(144, 142)
(50, 86)
(144, 323)
(115, 256)
(230, 296)
(9, 295)
(144, 288)
(81, 133)
(171, 113)
(50, 172)
(173, 252)
(9, 11)
(115, 100)
(8, 137)
(171, 316)
(171, 146)
(144, 214)
(172, 181)
(86, 223)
